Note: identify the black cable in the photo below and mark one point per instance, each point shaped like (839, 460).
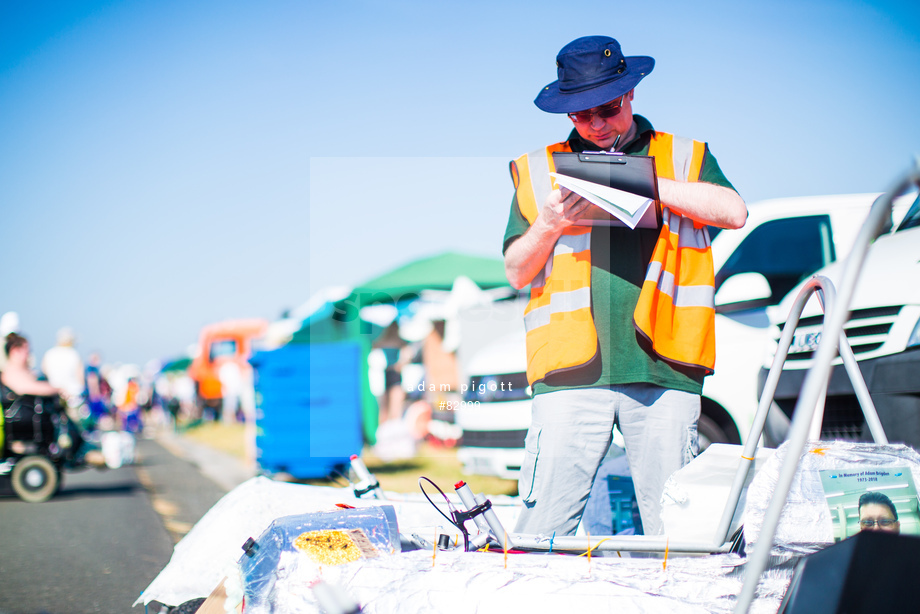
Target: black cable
(449, 504)
(458, 518)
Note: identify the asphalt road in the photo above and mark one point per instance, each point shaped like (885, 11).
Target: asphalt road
(97, 544)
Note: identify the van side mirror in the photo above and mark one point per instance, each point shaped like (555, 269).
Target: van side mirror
(743, 291)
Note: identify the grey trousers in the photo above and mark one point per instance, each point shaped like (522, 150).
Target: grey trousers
(570, 433)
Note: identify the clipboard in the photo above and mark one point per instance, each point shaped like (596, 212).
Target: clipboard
(633, 174)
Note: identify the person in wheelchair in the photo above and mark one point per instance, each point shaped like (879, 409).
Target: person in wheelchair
(35, 420)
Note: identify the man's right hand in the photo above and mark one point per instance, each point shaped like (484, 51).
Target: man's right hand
(528, 254)
(562, 209)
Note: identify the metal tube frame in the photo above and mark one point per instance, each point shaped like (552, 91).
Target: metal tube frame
(659, 543)
(816, 382)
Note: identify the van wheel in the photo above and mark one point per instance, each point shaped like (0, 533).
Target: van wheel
(35, 479)
(710, 432)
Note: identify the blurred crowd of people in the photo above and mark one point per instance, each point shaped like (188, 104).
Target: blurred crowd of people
(124, 397)
(96, 397)
(413, 374)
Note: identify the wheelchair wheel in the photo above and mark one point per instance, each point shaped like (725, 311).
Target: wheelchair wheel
(35, 479)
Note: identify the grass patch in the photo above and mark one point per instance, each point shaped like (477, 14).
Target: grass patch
(218, 436)
(439, 464)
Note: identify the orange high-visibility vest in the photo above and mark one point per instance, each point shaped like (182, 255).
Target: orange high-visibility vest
(676, 307)
(558, 319)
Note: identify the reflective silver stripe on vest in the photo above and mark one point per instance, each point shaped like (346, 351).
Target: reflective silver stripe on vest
(570, 244)
(694, 296)
(681, 156)
(538, 163)
(540, 183)
(681, 296)
(567, 244)
(690, 236)
(654, 271)
(687, 234)
(541, 186)
(539, 279)
(559, 302)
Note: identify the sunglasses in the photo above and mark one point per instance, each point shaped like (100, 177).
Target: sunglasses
(606, 111)
(883, 523)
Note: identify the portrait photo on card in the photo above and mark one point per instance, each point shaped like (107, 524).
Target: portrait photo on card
(871, 499)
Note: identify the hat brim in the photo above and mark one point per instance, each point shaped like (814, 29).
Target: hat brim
(551, 100)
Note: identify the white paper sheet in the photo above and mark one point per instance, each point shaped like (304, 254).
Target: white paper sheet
(625, 206)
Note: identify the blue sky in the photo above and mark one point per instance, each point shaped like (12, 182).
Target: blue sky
(168, 164)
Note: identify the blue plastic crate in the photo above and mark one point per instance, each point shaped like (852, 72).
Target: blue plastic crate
(308, 407)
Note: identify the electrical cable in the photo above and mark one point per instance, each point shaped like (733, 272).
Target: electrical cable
(450, 505)
(457, 517)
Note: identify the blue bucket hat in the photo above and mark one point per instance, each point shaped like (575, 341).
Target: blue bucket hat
(592, 71)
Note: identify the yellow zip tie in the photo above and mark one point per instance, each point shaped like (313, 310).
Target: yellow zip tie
(434, 549)
(594, 547)
(506, 551)
(746, 458)
(485, 548)
(667, 543)
(456, 540)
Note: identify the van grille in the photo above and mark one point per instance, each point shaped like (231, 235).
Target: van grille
(866, 330)
(843, 417)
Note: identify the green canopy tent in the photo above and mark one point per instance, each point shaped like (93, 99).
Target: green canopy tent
(342, 322)
(176, 365)
(433, 273)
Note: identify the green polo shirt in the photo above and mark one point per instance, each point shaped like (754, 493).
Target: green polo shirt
(619, 260)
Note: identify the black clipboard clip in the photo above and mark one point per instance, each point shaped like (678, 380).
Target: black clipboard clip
(606, 157)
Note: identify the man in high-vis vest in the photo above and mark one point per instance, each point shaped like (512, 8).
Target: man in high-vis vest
(620, 322)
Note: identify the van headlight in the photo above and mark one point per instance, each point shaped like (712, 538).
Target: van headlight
(914, 339)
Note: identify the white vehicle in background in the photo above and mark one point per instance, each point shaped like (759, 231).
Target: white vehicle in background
(884, 332)
(495, 413)
(782, 243)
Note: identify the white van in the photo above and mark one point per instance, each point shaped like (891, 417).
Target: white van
(884, 332)
(495, 412)
(783, 241)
